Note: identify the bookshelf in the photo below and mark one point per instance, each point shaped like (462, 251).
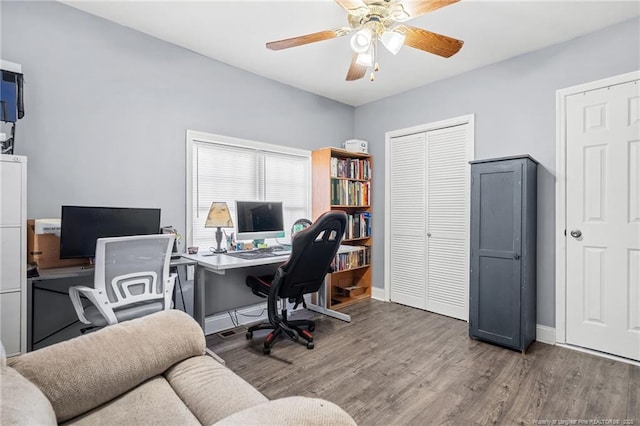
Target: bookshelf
(342, 181)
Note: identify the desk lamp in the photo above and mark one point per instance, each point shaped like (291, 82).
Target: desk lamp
(219, 217)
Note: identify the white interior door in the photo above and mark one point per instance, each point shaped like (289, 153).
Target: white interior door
(407, 230)
(603, 220)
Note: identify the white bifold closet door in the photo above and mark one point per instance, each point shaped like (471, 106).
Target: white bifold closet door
(429, 220)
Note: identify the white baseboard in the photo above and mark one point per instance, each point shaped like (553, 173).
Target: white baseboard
(246, 315)
(377, 293)
(545, 334)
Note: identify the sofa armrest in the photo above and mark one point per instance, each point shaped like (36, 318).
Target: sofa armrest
(295, 410)
(83, 373)
(22, 403)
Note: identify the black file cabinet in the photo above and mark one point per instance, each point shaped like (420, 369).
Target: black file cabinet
(502, 293)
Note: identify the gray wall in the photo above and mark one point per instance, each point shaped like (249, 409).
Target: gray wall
(107, 108)
(514, 107)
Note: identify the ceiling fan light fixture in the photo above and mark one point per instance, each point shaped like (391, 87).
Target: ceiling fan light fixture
(365, 58)
(392, 40)
(361, 40)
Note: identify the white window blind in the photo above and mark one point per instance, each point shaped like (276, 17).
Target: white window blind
(245, 171)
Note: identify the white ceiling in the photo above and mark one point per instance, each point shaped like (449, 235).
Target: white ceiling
(235, 32)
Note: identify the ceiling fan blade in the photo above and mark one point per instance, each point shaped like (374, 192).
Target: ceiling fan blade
(351, 4)
(437, 44)
(420, 7)
(306, 39)
(356, 71)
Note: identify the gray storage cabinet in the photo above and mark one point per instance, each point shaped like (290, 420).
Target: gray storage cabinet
(502, 293)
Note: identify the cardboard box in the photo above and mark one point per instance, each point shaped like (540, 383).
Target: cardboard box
(44, 250)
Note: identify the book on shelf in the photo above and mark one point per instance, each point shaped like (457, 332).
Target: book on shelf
(358, 225)
(349, 193)
(356, 257)
(350, 168)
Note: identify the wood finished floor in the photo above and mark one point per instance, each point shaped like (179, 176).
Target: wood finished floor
(395, 365)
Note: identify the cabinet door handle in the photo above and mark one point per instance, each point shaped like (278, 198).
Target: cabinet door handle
(516, 256)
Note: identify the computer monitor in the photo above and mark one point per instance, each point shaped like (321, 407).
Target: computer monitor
(257, 220)
(80, 227)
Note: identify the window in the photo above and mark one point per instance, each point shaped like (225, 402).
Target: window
(220, 168)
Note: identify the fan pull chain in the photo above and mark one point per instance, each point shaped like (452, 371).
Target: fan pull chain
(376, 67)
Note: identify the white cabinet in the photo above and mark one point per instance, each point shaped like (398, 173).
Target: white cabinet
(13, 253)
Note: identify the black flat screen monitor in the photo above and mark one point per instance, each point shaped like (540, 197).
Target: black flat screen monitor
(80, 227)
(258, 220)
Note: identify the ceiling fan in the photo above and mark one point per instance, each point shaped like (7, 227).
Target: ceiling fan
(371, 21)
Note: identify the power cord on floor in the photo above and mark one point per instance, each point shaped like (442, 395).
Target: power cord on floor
(233, 316)
(235, 321)
(250, 315)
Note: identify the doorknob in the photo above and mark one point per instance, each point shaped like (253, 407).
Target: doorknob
(576, 233)
(428, 234)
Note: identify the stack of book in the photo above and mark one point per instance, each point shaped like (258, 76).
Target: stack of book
(349, 193)
(356, 257)
(358, 225)
(351, 168)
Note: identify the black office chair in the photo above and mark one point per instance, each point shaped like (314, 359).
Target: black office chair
(313, 250)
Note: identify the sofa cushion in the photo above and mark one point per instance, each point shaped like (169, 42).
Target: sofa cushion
(21, 402)
(292, 411)
(153, 402)
(211, 390)
(84, 373)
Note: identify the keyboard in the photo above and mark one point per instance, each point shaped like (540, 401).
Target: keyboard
(259, 253)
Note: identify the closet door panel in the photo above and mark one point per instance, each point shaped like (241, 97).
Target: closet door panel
(407, 221)
(447, 219)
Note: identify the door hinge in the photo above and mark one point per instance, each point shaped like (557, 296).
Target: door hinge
(565, 232)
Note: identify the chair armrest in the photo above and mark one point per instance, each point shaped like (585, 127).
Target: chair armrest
(96, 297)
(83, 373)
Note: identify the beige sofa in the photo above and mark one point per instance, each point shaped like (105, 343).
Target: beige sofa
(151, 370)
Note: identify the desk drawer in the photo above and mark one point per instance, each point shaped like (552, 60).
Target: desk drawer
(10, 258)
(10, 328)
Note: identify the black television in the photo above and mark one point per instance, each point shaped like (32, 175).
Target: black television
(257, 220)
(81, 226)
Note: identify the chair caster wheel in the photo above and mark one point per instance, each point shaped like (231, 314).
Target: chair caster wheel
(312, 328)
(249, 335)
(266, 351)
(310, 345)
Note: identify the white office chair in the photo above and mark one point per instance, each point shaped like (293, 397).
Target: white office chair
(131, 280)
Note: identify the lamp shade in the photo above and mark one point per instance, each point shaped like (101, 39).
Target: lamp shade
(365, 58)
(392, 40)
(219, 216)
(361, 40)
